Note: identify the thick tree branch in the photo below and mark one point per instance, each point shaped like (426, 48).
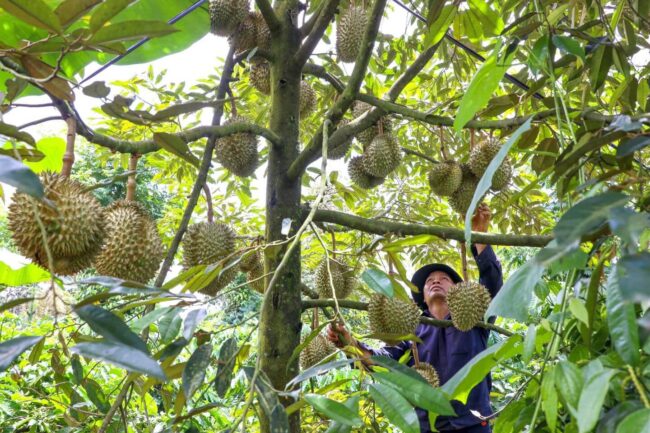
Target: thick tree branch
(269, 15)
(308, 26)
(324, 18)
(401, 229)
(363, 306)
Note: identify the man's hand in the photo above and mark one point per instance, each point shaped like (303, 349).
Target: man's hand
(481, 223)
(339, 335)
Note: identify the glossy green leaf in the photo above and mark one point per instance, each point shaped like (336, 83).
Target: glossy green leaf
(192, 320)
(351, 403)
(621, 321)
(54, 148)
(637, 422)
(227, 354)
(98, 89)
(629, 225)
(130, 30)
(121, 355)
(579, 311)
(18, 175)
(11, 349)
(440, 26)
(334, 410)
(195, 369)
(13, 132)
(169, 325)
(481, 88)
(176, 146)
(633, 272)
(107, 10)
(591, 400)
(587, 216)
(549, 399)
(609, 421)
(569, 382)
(569, 45)
(70, 11)
(635, 144)
(396, 408)
(538, 59)
(145, 321)
(515, 296)
(317, 370)
(25, 275)
(378, 281)
(111, 327)
(529, 343)
(34, 12)
(96, 395)
(77, 369)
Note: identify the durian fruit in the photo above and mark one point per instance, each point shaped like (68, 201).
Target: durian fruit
(342, 277)
(382, 156)
(445, 178)
(132, 249)
(502, 176)
(349, 33)
(318, 349)
(366, 136)
(206, 244)
(74, 225)
(342, 149)
(308, 99)
(262, 32)
(238, 152)
(255, 278)
(53, 302)
(480, 158)
(467, 304)
(249, 261)
(245, 37)
(260, 76)
(428, 373)
(359, 176)
(462, 198)
(392, 316)
(226, 15)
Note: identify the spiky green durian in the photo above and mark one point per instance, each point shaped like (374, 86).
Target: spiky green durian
(467, 303)
(502, 176)
(462, 198)
(382, 156)
(255, 278)
(250, 260)
(262, 32)
(72, 219)
(428, 373)
(308, 99)
(318, 349)
(349, 33)
(226, 15)
(366, 136)
(245, 36)
(392, 316)
(260, 76)
(132, 249)
(445, 178)
(207, 244)
(342, 278)
(359, 176)
(480, 157)
(238, 152)
(338, 152)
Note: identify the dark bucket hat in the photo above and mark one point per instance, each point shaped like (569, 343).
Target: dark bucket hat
(421, 275)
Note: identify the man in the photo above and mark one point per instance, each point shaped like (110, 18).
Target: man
(447, 349)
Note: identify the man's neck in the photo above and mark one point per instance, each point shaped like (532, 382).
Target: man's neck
(438, 309)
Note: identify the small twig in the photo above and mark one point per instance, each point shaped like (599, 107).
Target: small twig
(68, 156)
(639, 386)
(208, 201)
(39, 121)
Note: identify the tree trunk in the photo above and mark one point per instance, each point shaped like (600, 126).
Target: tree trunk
(280, 323)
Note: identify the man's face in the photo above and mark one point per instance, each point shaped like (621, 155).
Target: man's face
(437, 285)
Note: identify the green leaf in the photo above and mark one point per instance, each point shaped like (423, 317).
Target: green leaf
(269, 401)
(70, 11)
(96, 395)
(529, 343)
(599, 65)
(77, 369)
(170, 325)
(461, 384)
(579, 311)
(351, 403)
(98, 89)
(636, 422)
(587, 216)
(194, 371)
(317, 370)
(440, 26)
(591, 400)
(129, 30)
(633, 272)
(378, 281)
(628, 225)
(107, 10)
(614, 416)
(53, 148)
(225, 366)
(635, 144)
(334, 410)
(569, 46)
(14, 303)
(192, 319)
(538, 59)
(34, 12)
(396, 408)
(13, 132)
(483, 85)
(176, 146)
(486, 180)
(11, 349)
(111, 327)
(568, 382)
(621, 321)
(18, 175)
(121, 355)
(516, 295)
(549, 399)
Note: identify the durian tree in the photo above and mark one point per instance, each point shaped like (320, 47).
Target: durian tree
(374, 150)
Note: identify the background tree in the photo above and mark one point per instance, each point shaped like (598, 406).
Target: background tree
(572, 119)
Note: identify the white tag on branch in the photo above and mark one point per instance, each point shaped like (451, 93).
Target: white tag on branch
(286, 226)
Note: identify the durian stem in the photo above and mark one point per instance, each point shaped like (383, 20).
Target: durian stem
(68, 156)
(463, 257)
(443, 148)
(416, 356)
(208, 201)
(315, 318)
(131, 183)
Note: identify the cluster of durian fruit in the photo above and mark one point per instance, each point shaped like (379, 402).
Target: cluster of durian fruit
(458, 181)
(120, 241)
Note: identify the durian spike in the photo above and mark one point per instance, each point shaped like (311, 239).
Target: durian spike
(131, 183)
(208, 201)
(416, 356)
(68, 156)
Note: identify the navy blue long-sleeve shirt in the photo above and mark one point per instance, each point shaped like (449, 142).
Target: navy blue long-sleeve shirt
(449, 349)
